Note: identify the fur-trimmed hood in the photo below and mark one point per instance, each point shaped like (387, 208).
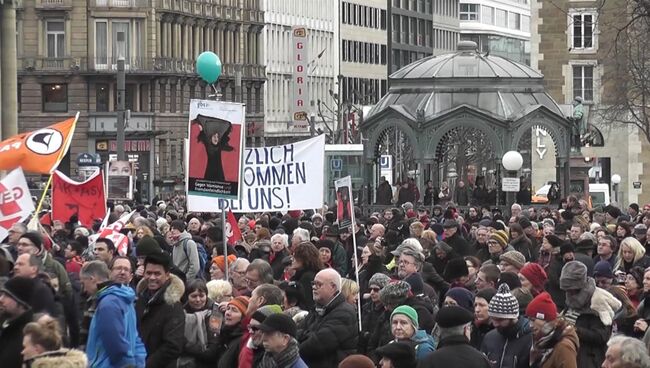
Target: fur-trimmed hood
(605, 305)
(63, 358)
(174, 290)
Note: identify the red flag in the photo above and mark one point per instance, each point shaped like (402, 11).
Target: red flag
(86, 200)
(232, 230)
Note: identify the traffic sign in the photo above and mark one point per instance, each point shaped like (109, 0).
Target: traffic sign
(336, 164)
(89, 159)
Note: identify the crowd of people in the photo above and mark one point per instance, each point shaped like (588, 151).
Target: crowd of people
(542, 287)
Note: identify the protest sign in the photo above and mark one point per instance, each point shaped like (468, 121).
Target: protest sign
(84, 199)
(277, 178)
(120, 177)
(216, 147)
(344, 209)
(15, 201)
(39, 151)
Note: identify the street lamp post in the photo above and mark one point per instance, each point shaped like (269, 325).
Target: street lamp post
(512, 162)
(616, 180)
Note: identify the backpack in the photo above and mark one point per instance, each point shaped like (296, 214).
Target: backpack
(203, 257)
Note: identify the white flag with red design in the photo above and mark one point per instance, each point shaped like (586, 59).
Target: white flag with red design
(113, 233)
(15, 201)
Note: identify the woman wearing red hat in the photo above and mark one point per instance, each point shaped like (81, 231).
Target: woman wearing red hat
(555, 342)
(533, 278)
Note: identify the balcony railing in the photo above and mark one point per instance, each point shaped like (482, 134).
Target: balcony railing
(120, 3)
(52, 64)
(53, 4)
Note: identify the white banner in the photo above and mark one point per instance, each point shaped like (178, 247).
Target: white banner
(278, 178)
(15, 201)
(300, 91)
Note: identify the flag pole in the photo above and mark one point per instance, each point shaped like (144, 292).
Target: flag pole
(225, 240)
(356, 265)
(58, 161)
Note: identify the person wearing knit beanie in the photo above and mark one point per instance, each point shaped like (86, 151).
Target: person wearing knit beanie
(357, 361)
(379, 279)
(603, 274)
(501, 237)
(511, 261)
(395, 293)
(220, 262)
(533, 278)
(240, 303)
(503, 305)
(252, 351)
(405, 326)
(460, 297)
(30, 239)
(550, 333)
(573, 276)
(20, 289)
(456, 271)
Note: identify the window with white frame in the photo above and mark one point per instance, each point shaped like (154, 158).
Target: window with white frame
(55, 37)
(501, 18)
(514, 21)
(469, 11)
(583, 82)
(115, 39)
(487, 15)
(583, 26)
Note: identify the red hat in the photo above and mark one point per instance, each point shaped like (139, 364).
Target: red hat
(534, 273)
(542, 307)
(411, 214)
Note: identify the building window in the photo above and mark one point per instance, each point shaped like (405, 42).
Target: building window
(345, 50)
(583, 82)
(115, 39)
(487, 15)
(55, 97)
(583, 30)
(514, 21)
(468, 11)
(501, 18)
(55, 33)
(101, 97)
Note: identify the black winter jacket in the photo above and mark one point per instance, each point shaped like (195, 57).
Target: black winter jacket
(304, 278)
(11, 341)
(524, 246)
(511, 350)
(371, 314)
(276, 264)
(380, 335)
(593, 335)
(161, 322)
(459, 245)
(328, 337)
(455, 351)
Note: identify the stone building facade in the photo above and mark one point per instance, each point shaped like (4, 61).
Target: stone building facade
(571, 44)
(67, 56)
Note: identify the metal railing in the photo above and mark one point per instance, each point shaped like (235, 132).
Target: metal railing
(52, 64)
(120, 3)
(53, 3)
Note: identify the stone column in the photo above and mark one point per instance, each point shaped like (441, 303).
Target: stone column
(227, 45)
(159, 38)
(186, 29)
(9, 72)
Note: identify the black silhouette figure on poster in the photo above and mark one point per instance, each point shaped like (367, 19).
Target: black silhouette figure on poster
(215, 136)
(344, 213)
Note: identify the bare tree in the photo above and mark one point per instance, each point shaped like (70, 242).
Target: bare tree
(627, 79)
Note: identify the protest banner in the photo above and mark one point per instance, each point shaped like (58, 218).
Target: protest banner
(344, 209)
(216, 147)
(233, 233)
(85, 199)
(39, 151)
(15, 201)
(277, 178)
(112, 232)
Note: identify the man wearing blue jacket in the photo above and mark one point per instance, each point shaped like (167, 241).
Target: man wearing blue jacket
(113, 339)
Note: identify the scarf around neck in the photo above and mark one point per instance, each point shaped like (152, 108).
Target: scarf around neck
(542, 349)
(284, 359)
(582, 300)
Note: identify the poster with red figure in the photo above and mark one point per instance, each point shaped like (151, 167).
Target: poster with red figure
(216, 142)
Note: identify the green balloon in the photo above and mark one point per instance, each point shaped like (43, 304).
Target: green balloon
(208, 65)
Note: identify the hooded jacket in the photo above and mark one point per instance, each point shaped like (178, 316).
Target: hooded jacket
(113, 339)
(161, 322)
(11, 340)
(559, 350)
(328, 336)
(185, 256)
(422, 343)
(63, 358)
(510, 350)
(454, 351)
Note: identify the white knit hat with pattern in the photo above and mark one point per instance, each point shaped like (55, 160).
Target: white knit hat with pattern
(503, 304)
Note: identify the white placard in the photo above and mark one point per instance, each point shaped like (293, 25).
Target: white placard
(277, 178)
(510, 184)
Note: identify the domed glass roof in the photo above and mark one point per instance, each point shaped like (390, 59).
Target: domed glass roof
(437, 84)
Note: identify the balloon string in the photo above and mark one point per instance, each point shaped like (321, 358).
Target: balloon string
(216, 92)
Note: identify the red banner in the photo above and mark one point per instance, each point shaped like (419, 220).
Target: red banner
(232, 230)
(86, 200)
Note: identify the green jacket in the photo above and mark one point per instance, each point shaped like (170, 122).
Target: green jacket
(51, 265)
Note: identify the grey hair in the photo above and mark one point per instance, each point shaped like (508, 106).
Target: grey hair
(336, 277)
(19, 225)
(282, 237)
(238, 261)
(263, 269)
(97, 269)
(452, 331)
(632, 350)
(302, 234)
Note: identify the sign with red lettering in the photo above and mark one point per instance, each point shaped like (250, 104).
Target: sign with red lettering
(15, 201)
(87, 199)
(300, 91)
